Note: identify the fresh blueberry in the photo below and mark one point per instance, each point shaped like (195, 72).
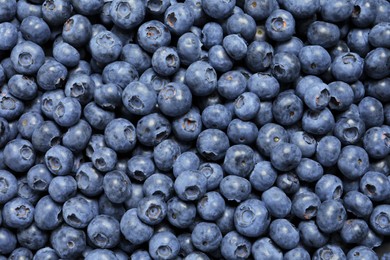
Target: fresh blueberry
(179, 18)
(35, 29)
(218, 9)
(354, 230)
(235, 246)
(152, 210)
(374, 65)
(189, 48)
(201, 78)
(174, 99)
(180, 213)
(219, 59)
(235, 188)
(206, 236)
(251, 218)
(285, 67)
(27, 57)
(334, 251)
(212, 34)
(120, 135)
(8, 186)
(359, 252)
(270, 135)
(164, 245)
(211, 206)
(18, 213)
(48, 215)
(331, 216)
(68, 242)
(77, 30)
(117, 186)
(329, 187)
(375, 185)
(277, 202)
(310, 235)
(259, 56)
(280, 25)
(159, 184)
(264, 248)
(127, 14)
(285, 156)
(284, 234)
(324, 34)
(20, 151)
(288, 182)
(78, 211)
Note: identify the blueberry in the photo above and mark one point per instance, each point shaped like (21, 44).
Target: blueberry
(190, 185)
(260, 9)
(261, 49)
(152, 35)
(20, 151)
(180, 213)
(349, 130)
(305, 205)
(8, 186)
(264, 248)
(328, 151)
(270, 135)
(375, 142)
(263, 176)
(117, 186)
(201, 78)
(156, 8)
(331, 216)
(277, 202)
(235, 188)
(235, 246)
(104, 159)
(10, 37)
(105, 47)
(179, 18)
(251, 218)
(213, 173)
(354, 230)
(164, 245)
(264, 85)
(39, 177)
(242, 24)
(361, 252)
(35, 29)
(68, 242)
(159, 184)
(211, 206)
(133, 54)
(280, 25)
(219, 59)
(18, 213)
(375, 185)
(284, 234)
(309, 170)
(48, 215)
(235, 46)
(127, 14)
(310, 235)
(120, 135)
(152, 210)
(152, 129)
(174, 99)
(242, 132)
(189, 48)
(329, 251)
(8, 11)
(78, 211)
(212, 144)
(218, 9)
(103, 231)
(77, 30)
(62, 188)
(315, 60)
(285, 156)
(238, 160)
(353, 162)
(285, 67)
(27, 57)
(329, 187)
(56, 12)
(206, 236)
(373, 63)
(32, 237)
(120, 73)
(358, 204)
(324, 34)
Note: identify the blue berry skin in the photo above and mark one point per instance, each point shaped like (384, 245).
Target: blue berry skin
(78, 211)
(165, 154)
(324, 34)
(67, 112)
(25, 192)
(18, 213)
(140, 167)
(315, 60)
(81, 87)
(302, 9)
(347, 67)
(186, 246)
(8, 11)
(189, 48)
(20, 151)
(100, 253)
(328, 151)
(235, 46)
(379, 219)
(212, 34)
(331, 250)
(331, 216)
(88, 7)
(59, 160)
(108, 96)
(127, 14)
(260, 10)
(47, 214)
(353, 231)
(120, 135)
(280, 25)
(231, 84)
(27, 123)
(39, 177)
(158, 184)
(305, 142)
(251, 218)
(68, 242)
(375, 185)
(27, 57)
(297, 253)
(139, 98)
(216, 116)
(206, 236)
(246, 106)
(239, 160)
(105, 47)
(174, 99)
(310, 235)
(353, 162)
(358, 42)
(376, 89)
(180, 214)
(212, 144)
(120, 73)
(213, 173)
(152, 35)
(287, 108)
(305, 83)
(349, 130)
(264, 248)
(284, 234)
(10, 36)
(374, 65)
(329, 187)
(305, 205)
(77, 136)
(264, 85)
(277, 202)
(329, 13)
(226, 222)
(372, 239)
(179, 18)
(379, 35)
(235, 188)
(152, 129)
(242, 24)
(106, 207)
(104, 159)
(364, 13)
(270, 135)
(211, 206)
(219, 59)
(66, 54)
(52, 75)
(7, 242)
(235, 246)
(62, 188)
(293, 46)
(89, 180)
(35, 29)
(201, 78)
(371, 112)
(259, 56)
(318, 122)
(138, 254)
(164, 245)
(77, 31)
(185, 161)
(362, 252)
(190, 185)
(218, 9)
(242, 132)
(45, 253)
(263, 176)
(285, 67)
(56, 12)
(133, 54)
(22, 87)
(156, 8)
(374, 142)
(117, 186)
(309, 170)
(103, 231)
(358, 204)
(288, 182)
(285, 156)
(21, 252)
(152, 210)
(32, 237)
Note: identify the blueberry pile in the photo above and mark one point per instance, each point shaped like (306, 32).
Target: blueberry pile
(194, 129)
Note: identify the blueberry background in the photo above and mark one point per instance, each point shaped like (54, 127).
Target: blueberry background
(194, 129)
